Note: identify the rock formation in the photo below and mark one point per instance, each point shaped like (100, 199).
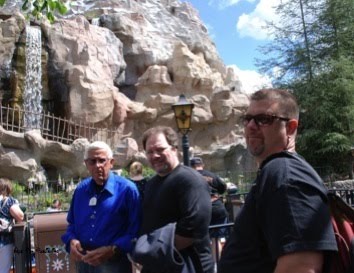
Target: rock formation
(121, 64)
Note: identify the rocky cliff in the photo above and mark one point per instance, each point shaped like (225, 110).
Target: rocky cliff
(121, 64)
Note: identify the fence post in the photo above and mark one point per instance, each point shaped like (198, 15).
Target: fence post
(22, 251)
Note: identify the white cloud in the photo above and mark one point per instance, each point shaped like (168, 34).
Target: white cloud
(252, 24)
(251, 80)
(222, 4)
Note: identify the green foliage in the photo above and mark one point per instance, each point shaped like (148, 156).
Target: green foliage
(38, 9)
(17, 189)
(313, 50)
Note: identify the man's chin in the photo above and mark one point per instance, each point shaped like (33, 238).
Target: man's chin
(162, 170)
(100, 179)
(256, 151)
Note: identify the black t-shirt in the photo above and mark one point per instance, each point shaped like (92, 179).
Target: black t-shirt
(286, 211)
(219, 213)
(182, 197)
(140, 184)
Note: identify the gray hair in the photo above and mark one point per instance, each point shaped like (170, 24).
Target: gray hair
(99, 145)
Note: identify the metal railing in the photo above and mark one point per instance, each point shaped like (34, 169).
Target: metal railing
(24, 248)
(346, 195)
(24, 253)
(56, 128)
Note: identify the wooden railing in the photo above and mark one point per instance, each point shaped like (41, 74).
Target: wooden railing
(57, 128)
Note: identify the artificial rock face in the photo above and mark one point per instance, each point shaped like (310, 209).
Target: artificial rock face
(121, 65)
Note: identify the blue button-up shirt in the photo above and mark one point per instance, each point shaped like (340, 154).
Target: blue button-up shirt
(110, 217)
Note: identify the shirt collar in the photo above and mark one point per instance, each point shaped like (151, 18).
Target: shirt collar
(109, 185)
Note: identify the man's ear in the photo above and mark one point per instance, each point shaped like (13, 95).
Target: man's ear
(111, 161)
(291, 126)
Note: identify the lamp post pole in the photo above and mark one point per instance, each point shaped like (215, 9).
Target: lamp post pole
(185, 149)
(183, 115)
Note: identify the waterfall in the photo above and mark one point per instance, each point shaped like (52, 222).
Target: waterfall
(32, 97)
(95, 21)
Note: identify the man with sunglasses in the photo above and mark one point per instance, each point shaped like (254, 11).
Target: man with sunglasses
(104, 216)
(284, 225)
(176, 194)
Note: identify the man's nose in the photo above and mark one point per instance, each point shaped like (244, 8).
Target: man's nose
(252, 124)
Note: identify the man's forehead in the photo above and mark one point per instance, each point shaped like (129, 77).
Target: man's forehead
(263, 105)
(98, 151)
(158, 138)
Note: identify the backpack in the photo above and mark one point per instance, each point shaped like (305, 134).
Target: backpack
(5, 224)
(342, 216)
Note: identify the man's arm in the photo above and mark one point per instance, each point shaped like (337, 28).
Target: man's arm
(300, 262)
(219, 185)
(182, 242)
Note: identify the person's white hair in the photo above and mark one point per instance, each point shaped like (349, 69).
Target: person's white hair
(99, 145)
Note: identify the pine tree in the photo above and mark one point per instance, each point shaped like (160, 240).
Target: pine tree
(313, 50)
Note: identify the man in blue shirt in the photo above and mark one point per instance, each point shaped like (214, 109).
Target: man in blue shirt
(104, 216)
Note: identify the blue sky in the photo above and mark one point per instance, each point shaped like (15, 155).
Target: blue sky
(236, 28)
(221, 24)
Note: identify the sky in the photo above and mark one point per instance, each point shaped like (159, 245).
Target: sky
(236, 29)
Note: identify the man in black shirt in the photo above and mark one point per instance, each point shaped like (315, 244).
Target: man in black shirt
(217, 187)
(176, 194)
(284, 225)
(219, 213)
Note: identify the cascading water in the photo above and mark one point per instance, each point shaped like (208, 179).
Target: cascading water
(32, 97)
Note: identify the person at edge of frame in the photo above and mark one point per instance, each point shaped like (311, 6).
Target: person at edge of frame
(284, 225)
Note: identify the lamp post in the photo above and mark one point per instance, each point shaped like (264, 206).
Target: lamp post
(183, 115)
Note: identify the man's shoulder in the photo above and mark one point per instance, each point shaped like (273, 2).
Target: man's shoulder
(285, 157)
(207, 173)
(188, 171)
(123, 181)
(284, 160)
(186, 174)
(83, 184)
(292, 168)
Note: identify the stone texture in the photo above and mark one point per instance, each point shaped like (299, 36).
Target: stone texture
(124, 73)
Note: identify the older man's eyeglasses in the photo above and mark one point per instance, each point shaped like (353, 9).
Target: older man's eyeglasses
(261, 119)
(96, 161)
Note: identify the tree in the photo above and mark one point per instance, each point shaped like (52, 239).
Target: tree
(326, 132)
(42, 8)
(312, 48)
(290, 50)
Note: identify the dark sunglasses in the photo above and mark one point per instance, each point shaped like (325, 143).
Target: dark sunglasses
(95, 161)
(261, 119)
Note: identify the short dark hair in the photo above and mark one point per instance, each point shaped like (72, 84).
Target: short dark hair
(196, 161)
(288, 105)
(170, 135)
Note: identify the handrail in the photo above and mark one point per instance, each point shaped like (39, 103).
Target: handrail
(57, 128)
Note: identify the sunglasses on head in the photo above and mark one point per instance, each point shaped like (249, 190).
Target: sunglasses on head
(261, 119)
